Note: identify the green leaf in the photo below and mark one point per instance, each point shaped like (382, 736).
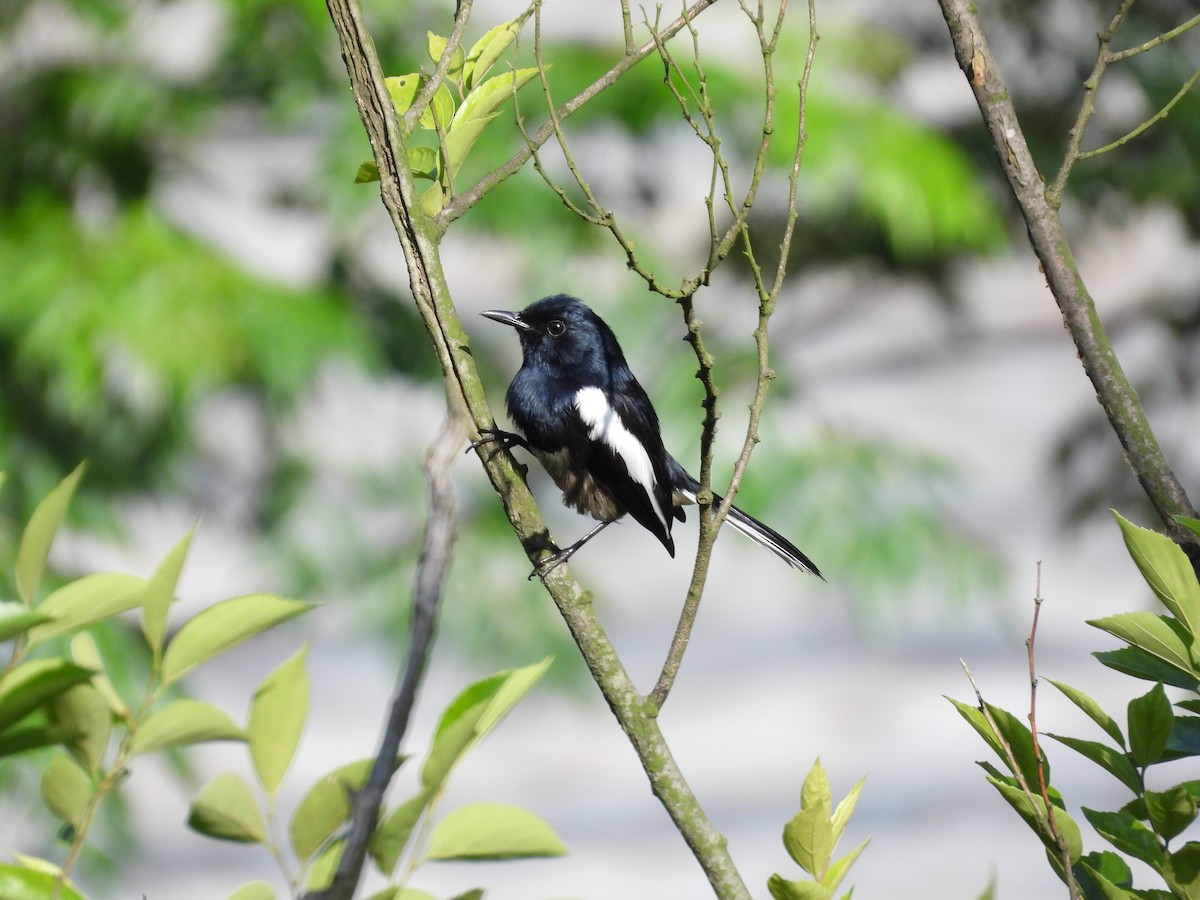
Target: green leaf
(83, 712)
(1112, 761)
(808, 839)
(838, 870)
(392, 835)
(473, 894)
(86, 654)
(34, 683)
(401, 893)
(325, 807)
(1110, 866)
(1032, 808)
(433, 199)
(17, 618)
(367, 172)
(23, 738)
(1192, 525)
(403, 90)
(477, 109)
(482, 831)
(816, 791)
(1166, 569)
(1150, 721)
(253, 890)
(436, 45)
(277, 716)
(782, 889)
(160, 593)
(20, 883)
(1182, 871)
(1170, 811)
(87, 600)
(1093, 711)
(845, 810)
(1140, 664)
(1105, 888)
(66, 789)
(1185, 738)
(39, 535)
(222, 626)
(423, 161)
(485, 51)
(1127, 834)
(1014, 733)
(320, 874)
(184, 722)
(441, 106)
(473, 714)
(1151, 633)
(225, 809)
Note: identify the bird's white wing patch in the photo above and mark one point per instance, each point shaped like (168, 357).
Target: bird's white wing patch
(604, 424)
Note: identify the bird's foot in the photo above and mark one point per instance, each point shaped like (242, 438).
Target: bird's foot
(548, 564)
(506, 439)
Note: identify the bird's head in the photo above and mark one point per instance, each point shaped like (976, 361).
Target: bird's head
(561, 331)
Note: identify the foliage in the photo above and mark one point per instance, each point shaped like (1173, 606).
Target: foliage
(226, 808)
(1159, 649)
(811, 837)
(67, 703)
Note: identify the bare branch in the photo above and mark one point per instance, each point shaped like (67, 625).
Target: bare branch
(1158, 116)
(1155, 42)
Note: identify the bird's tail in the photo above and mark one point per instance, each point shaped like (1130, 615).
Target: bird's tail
(757, 531)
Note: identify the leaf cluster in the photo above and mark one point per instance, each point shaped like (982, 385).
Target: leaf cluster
(455, 126)
(409, 831)
(810, 838)
(1165, 650)
(68, 702)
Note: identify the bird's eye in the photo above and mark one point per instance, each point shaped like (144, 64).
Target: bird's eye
(556, 327)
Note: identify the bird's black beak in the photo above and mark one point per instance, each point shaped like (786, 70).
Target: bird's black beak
(507, 318)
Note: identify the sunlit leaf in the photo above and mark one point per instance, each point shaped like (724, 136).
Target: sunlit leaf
(39, 534)
(222, 626)
(1166, 569)
(225, 809)
(86, 600)
(325, 807)
(367, 172)
(1170, 811)
(492, 831)
(423, 161)
(1151, 633)
(33, 683)
(1112, 761)
(838, 870)
(1093, 710)
(1127, 834)
(392, 835)
(320, 874)
(66, 789)
(86, 653)
(808, 839)
(782, 889)
(477, 109)
(1150, 721)
(436, 45)
(184, 722)
(439, 110)
(84, 713)
(403, 90)
(21, 883)
(253, 890)
(1032, 808)
(485, 51)
(160, 593)
(277, 716)
(17, 618)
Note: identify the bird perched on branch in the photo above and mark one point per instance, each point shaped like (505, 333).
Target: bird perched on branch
(590, 424)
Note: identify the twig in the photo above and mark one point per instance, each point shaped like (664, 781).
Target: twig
(470, 197)
(429, 582)
(461, 14)
(1055, 831)
(1049, 241)
(1157, 41)
(1158, 116)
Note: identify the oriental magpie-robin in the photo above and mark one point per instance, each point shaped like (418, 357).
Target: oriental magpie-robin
(591, 425)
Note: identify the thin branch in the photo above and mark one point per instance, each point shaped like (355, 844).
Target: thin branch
(1055, 832)
(430, 579)
(423, 99)
(470, 197)
(1049, 241)
(1011, 759)
(1155, 42)
(1087, 106)
(1161, 114)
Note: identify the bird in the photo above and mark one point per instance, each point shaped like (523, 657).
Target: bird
(585, 417)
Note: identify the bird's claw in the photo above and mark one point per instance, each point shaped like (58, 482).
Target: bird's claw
(548, 564)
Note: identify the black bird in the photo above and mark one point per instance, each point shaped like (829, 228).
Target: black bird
(591, 425)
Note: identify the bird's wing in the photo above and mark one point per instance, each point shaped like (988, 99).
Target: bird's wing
(628, 456)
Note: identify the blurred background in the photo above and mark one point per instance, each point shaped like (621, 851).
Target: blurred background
(196, 298)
